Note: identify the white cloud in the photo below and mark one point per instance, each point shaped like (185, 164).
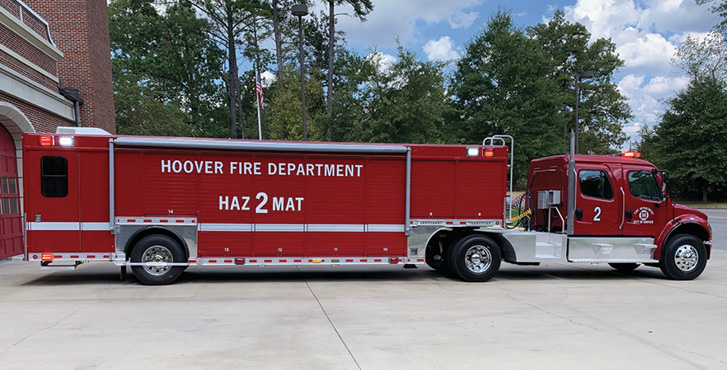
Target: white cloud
(666, 86)
(647, 34)
(651, 52)
(267, 78)
(398, 19)
(440, 50)
(461, 19)
(648, 98)
(383, 61)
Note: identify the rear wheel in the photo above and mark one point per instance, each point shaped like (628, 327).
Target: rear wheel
(624, 267)
(157, 249)
(684, 257)
(474, 258)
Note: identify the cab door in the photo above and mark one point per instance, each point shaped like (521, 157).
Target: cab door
(598, 205)
(644, 210)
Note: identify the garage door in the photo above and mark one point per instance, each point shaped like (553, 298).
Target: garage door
(11, 233)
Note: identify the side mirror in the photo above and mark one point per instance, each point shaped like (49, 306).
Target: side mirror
(664, 185)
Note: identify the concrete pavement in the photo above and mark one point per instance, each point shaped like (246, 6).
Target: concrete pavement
(556, 316)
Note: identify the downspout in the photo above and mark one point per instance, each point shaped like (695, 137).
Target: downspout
(75, 96)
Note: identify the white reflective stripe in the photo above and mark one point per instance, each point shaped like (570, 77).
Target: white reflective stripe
(336, 227)
(280, 227)
(60, 226)
(95, 226)
(64, 226)
(225, 227)
(104, 226)
(385, 228)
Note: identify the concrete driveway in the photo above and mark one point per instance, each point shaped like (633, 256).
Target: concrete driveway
(558, 316)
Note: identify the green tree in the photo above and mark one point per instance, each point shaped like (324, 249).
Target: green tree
(361, 8)
(140, 111)
(164, 58)
(188, 66)
(502, 85)
(718, 7)
(350, 119)
(603, 110)
(696, 115)
(705, 56)
(228, 20)
(408, 101)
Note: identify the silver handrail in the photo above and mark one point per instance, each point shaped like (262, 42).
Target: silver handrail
(511, 166)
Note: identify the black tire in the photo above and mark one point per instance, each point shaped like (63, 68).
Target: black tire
(624, 267)
(684, 257)
(157, 248)
(474, 258)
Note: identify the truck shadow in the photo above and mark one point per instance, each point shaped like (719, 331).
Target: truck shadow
(105, 276)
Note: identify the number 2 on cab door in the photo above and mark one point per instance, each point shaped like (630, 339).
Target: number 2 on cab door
(597, 216)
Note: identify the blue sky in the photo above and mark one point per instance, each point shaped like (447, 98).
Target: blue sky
(646, 34)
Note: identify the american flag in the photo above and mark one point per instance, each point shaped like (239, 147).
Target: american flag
(259, 89)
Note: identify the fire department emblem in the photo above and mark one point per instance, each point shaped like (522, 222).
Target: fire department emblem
(644, 214)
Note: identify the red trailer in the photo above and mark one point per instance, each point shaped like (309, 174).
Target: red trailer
(162, 204)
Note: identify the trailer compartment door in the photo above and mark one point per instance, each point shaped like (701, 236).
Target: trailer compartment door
(53, 209)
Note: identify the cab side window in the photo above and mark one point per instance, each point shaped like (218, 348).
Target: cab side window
(54, 177)
(595, 183)
(643, 185)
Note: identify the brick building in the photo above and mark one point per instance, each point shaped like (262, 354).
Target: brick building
(47, 47)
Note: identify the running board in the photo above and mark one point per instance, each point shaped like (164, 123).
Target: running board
(48, 266)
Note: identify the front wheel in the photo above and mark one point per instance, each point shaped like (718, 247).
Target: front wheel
(474, 258)
(157, 249)
(684, 257)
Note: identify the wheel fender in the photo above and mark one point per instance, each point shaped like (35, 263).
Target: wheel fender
(685, 224)
(140, 234)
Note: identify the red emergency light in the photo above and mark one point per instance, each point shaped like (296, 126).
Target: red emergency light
(631, 154)
(489, 152)
(46, 140)
(46, 257)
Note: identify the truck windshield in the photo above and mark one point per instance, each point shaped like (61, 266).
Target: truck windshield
(643, 185)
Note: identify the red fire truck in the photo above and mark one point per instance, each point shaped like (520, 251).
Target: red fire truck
(160, 205)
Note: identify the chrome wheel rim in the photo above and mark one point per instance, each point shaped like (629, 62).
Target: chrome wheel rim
(157, 254)
(478, 258)
(686, 257)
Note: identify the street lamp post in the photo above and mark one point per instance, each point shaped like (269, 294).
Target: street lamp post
(578, 78)
(300, 10)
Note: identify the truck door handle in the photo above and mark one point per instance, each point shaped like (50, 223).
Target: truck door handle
(579, 214)
(629, 215)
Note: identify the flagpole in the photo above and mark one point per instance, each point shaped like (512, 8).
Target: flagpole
(257, 103)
